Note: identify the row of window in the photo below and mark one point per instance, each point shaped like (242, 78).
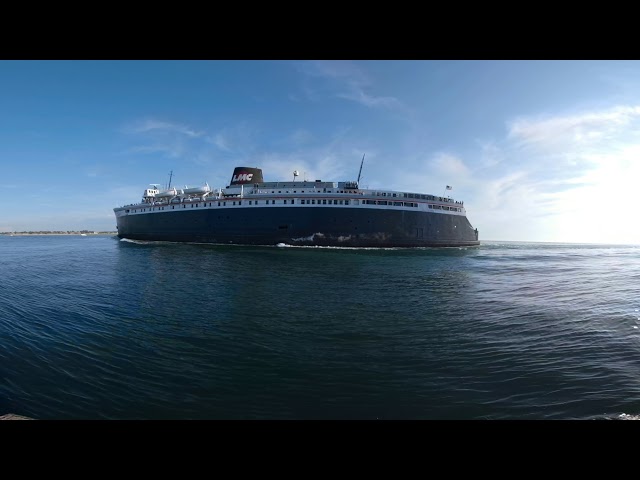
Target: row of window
(394, 204)
(312, 202)
(377, 194)
(411, 195)
(322, 202)
(324, 190)
(442, 207)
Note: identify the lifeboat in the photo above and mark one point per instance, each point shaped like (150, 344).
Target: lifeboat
(172, 192)
(197, 190)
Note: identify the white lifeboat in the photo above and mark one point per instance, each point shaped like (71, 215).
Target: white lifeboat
(197, 190)
(172, 192)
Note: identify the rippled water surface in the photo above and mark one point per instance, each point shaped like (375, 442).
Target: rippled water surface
(98, 328)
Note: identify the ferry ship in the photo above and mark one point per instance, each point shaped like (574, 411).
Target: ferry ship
(250, 211)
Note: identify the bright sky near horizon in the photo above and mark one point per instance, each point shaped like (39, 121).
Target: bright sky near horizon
(537, 150)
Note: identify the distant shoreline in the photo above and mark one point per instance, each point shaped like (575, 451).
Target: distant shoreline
(35, 234)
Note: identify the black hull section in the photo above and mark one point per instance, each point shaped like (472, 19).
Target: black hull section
(313, 226)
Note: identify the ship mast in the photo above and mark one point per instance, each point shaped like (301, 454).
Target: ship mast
(170, 177)
(360, 172)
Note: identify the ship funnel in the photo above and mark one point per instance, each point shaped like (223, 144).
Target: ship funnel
(242, 175)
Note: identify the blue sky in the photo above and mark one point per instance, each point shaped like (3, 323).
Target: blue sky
(538, 150)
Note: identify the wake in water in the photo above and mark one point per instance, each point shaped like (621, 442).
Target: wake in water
(622, 416)
(625, 416)
(286, 245)
(137, 242)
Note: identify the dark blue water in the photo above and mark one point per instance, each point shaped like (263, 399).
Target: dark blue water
(97, 328)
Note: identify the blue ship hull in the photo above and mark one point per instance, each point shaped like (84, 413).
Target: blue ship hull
(313, 225)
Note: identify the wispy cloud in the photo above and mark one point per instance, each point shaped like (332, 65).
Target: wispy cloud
(554, 175)
(359, 96)
(220, 141)
(334, 160)
(491, 155)
(449, 165)
(238, 139)
(429, 172)
(152, 125)
(172, 139)
(572, 130)
(345, 80)
(546, 178)
(564, 147)
(311, 165)
(337, 69)
(176, 140)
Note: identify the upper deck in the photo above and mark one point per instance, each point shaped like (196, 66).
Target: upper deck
(295, 195)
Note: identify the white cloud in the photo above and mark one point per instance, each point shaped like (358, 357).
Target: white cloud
(449, 165)
(312, 166)
(359, 96)
(562, 178)
(335, 69)
(429, 174)
(174, 140)
(491, 155)
(151, 125)
(238, 139)
(572, 130)
(347, 81)
(220, 141)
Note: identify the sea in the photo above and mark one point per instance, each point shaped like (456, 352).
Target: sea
(94, 327)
